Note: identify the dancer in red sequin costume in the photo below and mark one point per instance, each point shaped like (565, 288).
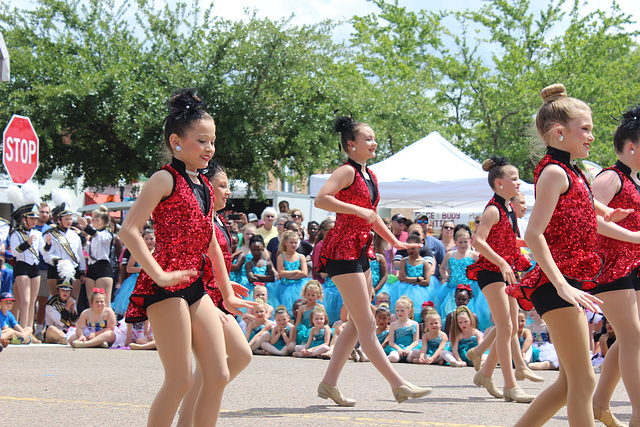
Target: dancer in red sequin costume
(234, 340)
(619, 187)
(562, 235)
(171, 285)
(352, 193)
(500, 255)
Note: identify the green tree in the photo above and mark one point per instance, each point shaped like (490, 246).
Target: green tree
(97, 90)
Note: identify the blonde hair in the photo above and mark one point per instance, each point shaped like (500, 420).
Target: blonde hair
(102, 213)
(314, 285)
(406, 301)
(455, 328)
(557, 108)
(460, 233)
(286, 236)
(432, 314)
(281, 309)
(319, 309)
(260, 287)
(262, 303)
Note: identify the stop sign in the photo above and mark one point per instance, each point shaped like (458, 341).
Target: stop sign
(20, 149)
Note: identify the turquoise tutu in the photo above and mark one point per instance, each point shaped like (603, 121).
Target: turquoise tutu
(332, 300)
(287, 291)
(418, 294)
(121, 301)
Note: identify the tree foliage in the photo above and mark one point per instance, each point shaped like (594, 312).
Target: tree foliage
(95, 77)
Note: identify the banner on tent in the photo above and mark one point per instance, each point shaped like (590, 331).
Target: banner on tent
(438, 217)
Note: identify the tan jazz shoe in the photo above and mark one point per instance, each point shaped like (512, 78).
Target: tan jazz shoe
(605, 416)
(487, 382)
(332, 392)
(517, 395)
(409, 391)
(476, 359)
(526, 373)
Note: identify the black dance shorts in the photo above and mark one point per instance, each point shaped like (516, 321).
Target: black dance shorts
(545, 297)
(486, 277)
(52, 273)
(23, 269)
(190, 294)
(99, 269)
(336, 267)
(625, 282)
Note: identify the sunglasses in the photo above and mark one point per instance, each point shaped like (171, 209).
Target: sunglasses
(422, 221)
(296, 216)
(447, 227)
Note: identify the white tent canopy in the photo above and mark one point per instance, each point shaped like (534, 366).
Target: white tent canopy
(430, 172)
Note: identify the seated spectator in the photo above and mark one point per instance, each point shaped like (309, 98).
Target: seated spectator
(60, 315)
(96, 324)
(11, 330)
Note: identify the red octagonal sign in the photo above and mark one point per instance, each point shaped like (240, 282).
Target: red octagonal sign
(20, 149)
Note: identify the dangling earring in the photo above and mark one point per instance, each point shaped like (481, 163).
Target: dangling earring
(178, 148)
(561, 138)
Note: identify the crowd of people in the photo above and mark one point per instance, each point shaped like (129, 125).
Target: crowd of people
(183, 275)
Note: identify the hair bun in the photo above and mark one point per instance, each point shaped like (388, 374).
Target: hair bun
(553, 92)
(344, 124)
(184, 101)
(494, 161)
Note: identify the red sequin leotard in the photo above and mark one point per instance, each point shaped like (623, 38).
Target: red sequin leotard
(570, 234)
(183, 235)
(223, 240)
(502, 239)
(351, 233)
(620, 258)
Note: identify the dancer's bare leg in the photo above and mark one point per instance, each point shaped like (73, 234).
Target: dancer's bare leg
(105, 283)
(500, 307)
(356, 294)
(171, 323)
(621, 309)
(210, 352)
(576, 380)
(238, 358)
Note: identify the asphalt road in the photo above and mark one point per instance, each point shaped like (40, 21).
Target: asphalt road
(48, 385)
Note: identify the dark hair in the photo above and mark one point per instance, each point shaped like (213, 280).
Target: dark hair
(413, 238)
(347, 127)
(496, 166)
(384, 308)
(322, 229)
(460, 226)
(310, 223)
(184, 109)
(213, 169)
(628, 130)
(256, 238)
(458, 290)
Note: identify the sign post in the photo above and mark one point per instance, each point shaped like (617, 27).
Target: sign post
(20, 149)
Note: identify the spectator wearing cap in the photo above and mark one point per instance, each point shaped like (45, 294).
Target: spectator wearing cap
(60, 315)
(398, 228)
(436, 246)
(11, 330)
(253, 219)
(268, 231)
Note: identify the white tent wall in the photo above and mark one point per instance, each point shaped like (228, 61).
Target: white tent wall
(430, 173)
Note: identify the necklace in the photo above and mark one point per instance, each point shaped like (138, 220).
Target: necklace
(192, 173)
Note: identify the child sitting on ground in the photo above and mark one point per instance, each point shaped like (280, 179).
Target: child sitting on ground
(280, 343)
(464, 336)
(312, 292)
(319, 335)
(11, 330)
(60, 315)
(258, 329)
(403, 333)
(433, 342)
(96, 324)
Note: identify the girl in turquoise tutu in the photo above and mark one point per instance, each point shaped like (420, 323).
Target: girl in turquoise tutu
(453, 272)
(241, 256)
(379, 271)
(260, 271)
(121, 301)
(292, 269)
(312, 293)
(464, 336)
(415, 278)
(433, 342)
(403, 333)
